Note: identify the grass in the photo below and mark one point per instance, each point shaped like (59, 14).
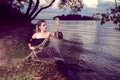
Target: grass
(19, 51)
(22, 76)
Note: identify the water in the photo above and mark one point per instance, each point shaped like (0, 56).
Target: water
(98, 46)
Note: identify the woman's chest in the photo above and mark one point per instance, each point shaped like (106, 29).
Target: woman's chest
(41, 35)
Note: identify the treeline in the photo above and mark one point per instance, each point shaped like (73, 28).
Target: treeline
(75, 17)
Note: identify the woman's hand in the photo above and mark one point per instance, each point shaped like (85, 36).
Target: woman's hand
(31, 47)
(57, 21)
(58, 34)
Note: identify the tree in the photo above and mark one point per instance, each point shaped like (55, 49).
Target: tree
(75, 5)
(112, 14)
(35, 7)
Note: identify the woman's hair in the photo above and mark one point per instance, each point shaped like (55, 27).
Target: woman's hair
(38, 25)
(55, 17)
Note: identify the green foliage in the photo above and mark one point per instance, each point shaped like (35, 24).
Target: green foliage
(22, 76)
(19, 51)
(2, 79)
(21, 47)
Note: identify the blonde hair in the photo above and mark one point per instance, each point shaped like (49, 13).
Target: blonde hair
(38, 25)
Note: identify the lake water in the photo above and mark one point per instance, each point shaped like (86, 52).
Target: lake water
(98, 46)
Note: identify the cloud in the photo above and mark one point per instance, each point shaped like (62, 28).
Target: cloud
(42, 2)
(47, 16)
(55, 4)
(90, 7)
(101, 6)
(91, 3)
(107, 0)
(94, 3)
(87, 3)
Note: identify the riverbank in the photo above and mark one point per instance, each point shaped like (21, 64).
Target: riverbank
(13, 42)
(13, 48)
(31, 70)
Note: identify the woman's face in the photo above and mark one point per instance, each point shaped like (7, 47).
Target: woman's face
(43, 26)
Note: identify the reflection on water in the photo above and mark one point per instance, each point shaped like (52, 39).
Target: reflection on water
(98, 46)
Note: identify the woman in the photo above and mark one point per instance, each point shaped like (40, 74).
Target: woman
(39, 44)
(40, 40)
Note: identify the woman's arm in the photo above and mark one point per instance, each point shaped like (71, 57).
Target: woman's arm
(57, 21)
(31, 47)
(30, 42)
(58, 34)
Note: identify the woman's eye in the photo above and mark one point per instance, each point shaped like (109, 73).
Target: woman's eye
(44, 25)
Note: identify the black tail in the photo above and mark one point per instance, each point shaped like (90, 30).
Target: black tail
(64, 68)
(70, 70)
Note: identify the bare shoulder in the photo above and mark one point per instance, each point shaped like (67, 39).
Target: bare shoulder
(34, 35)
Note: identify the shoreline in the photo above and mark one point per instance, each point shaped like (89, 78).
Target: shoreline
(17, 38)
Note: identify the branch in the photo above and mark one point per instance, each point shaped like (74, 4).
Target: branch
(43, 8)
(48, 5)
(28, 9)
(36, 7)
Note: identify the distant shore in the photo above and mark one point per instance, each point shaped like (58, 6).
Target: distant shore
(74, 17)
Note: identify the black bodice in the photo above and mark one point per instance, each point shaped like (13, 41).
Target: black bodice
(36, 42)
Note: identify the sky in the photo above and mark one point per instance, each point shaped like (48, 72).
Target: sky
(90, 7)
